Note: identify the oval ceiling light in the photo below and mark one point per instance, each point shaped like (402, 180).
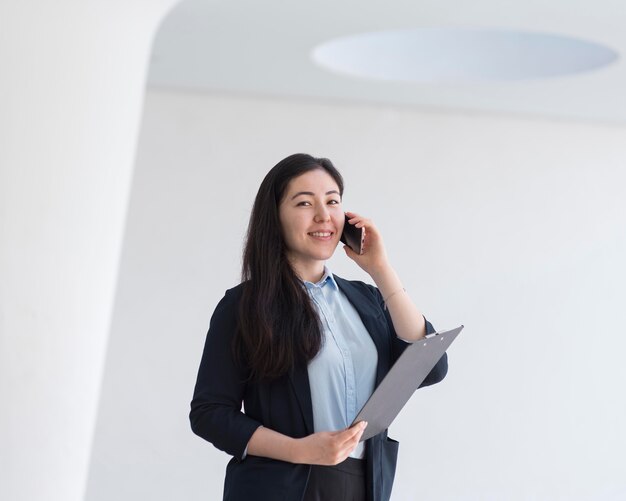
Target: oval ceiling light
(460, 55)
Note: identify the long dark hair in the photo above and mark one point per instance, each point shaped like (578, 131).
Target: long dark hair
(278, 325)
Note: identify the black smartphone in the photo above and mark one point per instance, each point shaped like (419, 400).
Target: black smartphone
(353, 237)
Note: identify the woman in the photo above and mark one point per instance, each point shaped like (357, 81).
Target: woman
(303, 349)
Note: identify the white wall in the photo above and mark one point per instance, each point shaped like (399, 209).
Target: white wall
(71, 92)
(510, 226)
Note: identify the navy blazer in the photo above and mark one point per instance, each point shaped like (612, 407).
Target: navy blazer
(284, 405)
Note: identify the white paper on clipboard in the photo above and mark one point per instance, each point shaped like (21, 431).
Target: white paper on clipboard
(404, 377)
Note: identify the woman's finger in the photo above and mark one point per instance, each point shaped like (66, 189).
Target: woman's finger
(359, 222)
(353, 216)
(354, 431)
(351, 444)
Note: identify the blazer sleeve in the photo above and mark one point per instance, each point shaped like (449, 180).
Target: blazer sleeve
(220, 387)
(398, 345)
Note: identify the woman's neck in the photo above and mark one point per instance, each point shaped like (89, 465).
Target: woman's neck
(312, 272)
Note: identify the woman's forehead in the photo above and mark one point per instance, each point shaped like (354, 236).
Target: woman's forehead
(316, 181)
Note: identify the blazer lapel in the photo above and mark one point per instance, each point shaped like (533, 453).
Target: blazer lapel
(299, 379)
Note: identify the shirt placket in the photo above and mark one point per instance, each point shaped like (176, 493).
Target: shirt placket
(346, 355)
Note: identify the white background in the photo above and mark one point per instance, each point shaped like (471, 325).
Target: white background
(509, 225)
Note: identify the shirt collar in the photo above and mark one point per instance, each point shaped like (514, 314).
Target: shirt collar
(327, 278)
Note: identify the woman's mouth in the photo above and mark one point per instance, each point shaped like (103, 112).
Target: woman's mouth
(321, 235)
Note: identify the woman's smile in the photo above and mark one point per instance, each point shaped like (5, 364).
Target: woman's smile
(324, 236)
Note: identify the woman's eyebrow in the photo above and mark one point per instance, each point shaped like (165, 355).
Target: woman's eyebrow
(313, 194)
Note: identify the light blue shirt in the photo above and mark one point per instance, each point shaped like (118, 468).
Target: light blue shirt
(343, 374)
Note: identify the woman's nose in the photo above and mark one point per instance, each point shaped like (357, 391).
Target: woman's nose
(322, 215)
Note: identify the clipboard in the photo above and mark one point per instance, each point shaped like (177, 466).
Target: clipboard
(404, 377)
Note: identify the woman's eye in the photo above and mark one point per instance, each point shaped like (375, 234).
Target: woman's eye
(302, 203)
(334, 202)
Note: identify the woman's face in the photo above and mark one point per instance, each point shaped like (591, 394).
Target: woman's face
(312, 220)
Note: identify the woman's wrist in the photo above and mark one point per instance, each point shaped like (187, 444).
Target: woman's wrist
(386, 279)
(295, 451)
(380, 272)
(268, 443)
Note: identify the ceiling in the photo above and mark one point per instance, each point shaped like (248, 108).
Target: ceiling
(264, 49)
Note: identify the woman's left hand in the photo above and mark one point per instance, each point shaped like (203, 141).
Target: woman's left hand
(374, 257)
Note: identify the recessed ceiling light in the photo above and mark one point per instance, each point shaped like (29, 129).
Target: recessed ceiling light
(460, 55)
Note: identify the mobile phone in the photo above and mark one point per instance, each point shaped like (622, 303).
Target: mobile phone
(353, 237)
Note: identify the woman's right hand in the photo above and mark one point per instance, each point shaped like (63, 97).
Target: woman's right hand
(328, 447)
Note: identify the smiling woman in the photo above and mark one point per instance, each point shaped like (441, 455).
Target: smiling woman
(303, 349)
